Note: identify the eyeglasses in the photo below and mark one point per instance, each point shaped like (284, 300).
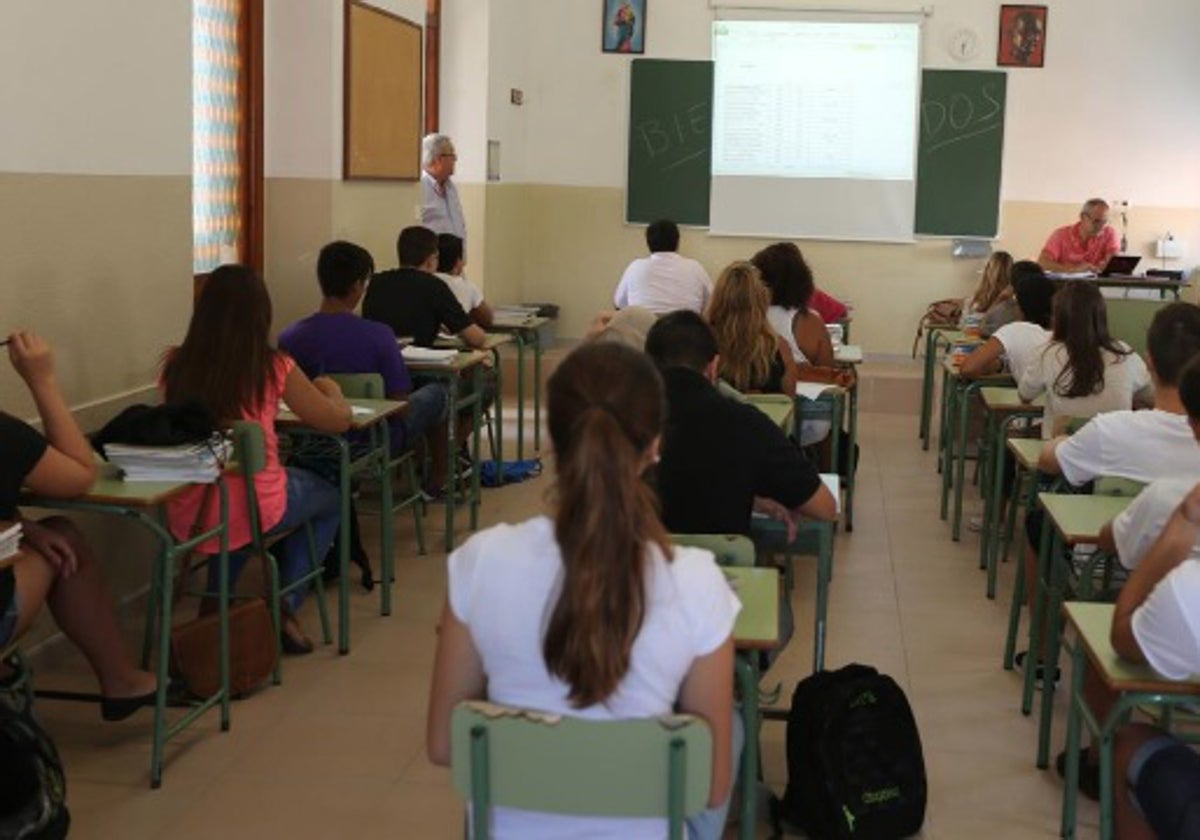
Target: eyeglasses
(1099, 222)
(450, 155)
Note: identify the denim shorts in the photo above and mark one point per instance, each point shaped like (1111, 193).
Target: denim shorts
(1164, 779)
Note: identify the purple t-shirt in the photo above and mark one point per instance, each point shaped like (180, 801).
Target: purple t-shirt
(342, 342)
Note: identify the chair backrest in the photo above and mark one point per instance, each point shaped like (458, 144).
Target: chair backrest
(512, 758)
(361, 386)
(1111, 485)
(730, 549)
(250, 451)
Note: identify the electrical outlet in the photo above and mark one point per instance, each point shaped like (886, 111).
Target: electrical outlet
(516, 96)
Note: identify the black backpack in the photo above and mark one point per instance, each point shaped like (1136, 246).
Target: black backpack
(854, 760)
(33, 788)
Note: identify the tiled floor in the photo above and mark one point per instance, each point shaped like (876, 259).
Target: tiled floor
(337, 751)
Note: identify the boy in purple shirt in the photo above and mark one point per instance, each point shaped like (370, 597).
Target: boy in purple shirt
(336, 340)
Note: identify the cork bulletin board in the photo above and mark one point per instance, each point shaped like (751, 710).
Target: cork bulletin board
(382, 95)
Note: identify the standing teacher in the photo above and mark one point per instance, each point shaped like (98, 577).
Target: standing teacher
(1086, 245)
(441, 211)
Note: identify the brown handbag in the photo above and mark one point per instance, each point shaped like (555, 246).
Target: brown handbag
(196, 644)
(253, 650)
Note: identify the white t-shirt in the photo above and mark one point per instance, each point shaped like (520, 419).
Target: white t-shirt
(664, 282)
(467, 293)
(1021, 340)
(1167, 624)
(781, 320)
(1137, 527)
(1138, 445)
(1124, 376)
(503, 585)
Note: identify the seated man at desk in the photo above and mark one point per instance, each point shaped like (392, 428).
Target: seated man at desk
(1085, 245)
(664, 281)
(722, 458)
(450, 269)
(412, 300)
(335, 339)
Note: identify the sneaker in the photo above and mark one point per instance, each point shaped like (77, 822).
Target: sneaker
(975, 523)
(1039, 673)
(438, 495)
(1089, 773)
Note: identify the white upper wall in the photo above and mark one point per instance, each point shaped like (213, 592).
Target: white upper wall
(463, 94)
(1115, 112)
(303, 62)
(96, 88)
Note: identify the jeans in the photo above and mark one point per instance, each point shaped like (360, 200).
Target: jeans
(709, 824)
(426, 408)
(309, 498)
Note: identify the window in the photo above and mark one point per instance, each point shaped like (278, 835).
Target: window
(227, 133)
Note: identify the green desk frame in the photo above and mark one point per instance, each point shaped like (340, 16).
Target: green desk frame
(527, 334)
(492, 344)
(143, 502)
(1135, 686)
(935, 336)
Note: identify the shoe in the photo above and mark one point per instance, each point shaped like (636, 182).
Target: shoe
(438, 495)
(1089, 773)
(113, 709)
(465, 466)
(975, 523)
(1039, 673)
(292, 638)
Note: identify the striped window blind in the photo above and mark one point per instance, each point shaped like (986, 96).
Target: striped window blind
(217, 214)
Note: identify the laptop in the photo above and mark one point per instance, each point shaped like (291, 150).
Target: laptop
(1120, 265)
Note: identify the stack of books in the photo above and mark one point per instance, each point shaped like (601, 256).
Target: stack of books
(428, 355)
(196, 462)
(10, 541)
(511, 315)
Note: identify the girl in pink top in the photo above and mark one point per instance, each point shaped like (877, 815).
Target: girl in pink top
(227, 364)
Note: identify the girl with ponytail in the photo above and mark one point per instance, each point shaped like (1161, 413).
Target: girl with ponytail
(591, 612)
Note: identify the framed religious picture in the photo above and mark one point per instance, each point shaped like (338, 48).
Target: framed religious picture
(623, 26)
(1022, 36)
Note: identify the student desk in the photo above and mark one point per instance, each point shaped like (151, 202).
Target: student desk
(527, 333)
(776, 406)
(1071, 520)
(957, 391)
(1134, 684)
(756, 629)
(492, 342)
(1003, 407)
(369, 416)
(936, 336)
(144, 502)
(451, 372)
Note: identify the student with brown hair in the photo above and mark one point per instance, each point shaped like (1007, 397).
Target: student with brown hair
(589, 611)
(227, 364)
(752, 357)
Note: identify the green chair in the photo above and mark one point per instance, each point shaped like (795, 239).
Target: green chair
(250, 452)
(370, 386)
(729, 549)
(511, 758)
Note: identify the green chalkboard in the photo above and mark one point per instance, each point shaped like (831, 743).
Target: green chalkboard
(958, 156)
(670, 141)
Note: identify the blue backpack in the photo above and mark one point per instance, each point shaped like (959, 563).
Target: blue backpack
(510, 472)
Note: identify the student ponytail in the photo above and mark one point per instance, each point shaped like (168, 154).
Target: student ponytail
(1081, 326)
(606, 408)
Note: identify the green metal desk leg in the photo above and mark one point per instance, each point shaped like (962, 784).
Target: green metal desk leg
(989, 494)
(824, 576)
(943, 413)
(946, 441)
(1036, 615)
(165, 573)
(343, 545)
(1071, 783)
(498, 417)
(537, 391)
(452, 454)
(476, 422)
(851, 461)
(520, 395)
(387, 563)
(1053, 638)
(1014, 615)
(927, 391)
(746, 664)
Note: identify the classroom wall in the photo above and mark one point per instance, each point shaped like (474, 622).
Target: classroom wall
(1063, 144)
(95, 175)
